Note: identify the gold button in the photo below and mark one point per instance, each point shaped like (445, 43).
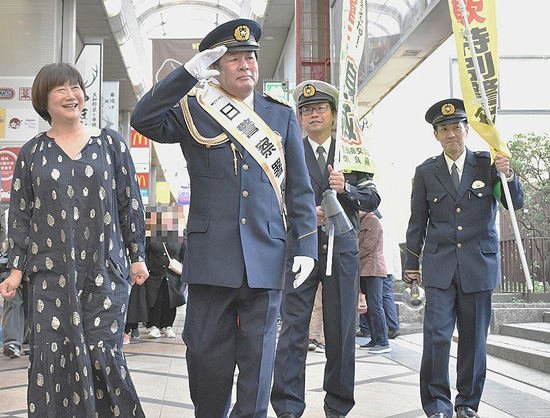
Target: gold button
(459, 245)
(245, 193)
(243, 221)
(245, 166)
(459, 228)
(325, 246)
(458, 210)
(435, 199)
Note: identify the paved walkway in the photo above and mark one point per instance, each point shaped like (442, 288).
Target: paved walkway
(386, 385)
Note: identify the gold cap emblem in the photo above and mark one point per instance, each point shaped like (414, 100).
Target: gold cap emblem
(448, 109)
(242, 33)
(308, 90)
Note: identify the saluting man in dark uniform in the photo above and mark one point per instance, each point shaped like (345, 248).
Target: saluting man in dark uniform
(453, 211)
(317, 102)
(249, 185)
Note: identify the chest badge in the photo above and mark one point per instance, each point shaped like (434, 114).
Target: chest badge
(478, 184)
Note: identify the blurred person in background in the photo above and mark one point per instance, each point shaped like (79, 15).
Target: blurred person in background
(165, 288)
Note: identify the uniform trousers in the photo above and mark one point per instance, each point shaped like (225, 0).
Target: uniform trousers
(340, 295)
(472, 314)
(227, 328)
(316, 323)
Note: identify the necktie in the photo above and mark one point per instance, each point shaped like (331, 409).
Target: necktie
(454, 176)
(321, 159)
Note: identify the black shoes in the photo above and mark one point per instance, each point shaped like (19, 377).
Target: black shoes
(463, 411)
(392, 333)
(286, 415)
(12, 350)
(438, 415)
(332, 413)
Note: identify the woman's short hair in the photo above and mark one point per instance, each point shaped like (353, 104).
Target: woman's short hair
(49, 77)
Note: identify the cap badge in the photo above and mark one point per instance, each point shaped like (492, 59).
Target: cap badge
(242, 33)
(448, 109)
(308, 90)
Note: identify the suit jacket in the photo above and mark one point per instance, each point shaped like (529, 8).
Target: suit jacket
(371, 247)
(362, 196)
(235, 227)
(457, 229)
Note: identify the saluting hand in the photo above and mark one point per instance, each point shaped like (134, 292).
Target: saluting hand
(199, 65)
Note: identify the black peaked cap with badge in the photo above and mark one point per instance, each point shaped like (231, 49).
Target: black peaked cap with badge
(446, 111)
(315, 91)
(236, 35)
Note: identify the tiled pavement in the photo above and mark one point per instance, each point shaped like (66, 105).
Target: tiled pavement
(386, 385)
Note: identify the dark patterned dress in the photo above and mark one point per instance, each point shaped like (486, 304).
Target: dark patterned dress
(74, 227)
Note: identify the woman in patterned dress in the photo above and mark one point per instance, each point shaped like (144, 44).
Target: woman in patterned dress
(76, 230)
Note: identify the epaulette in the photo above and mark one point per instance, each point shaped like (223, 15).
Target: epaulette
(273, 98)
(482, 154)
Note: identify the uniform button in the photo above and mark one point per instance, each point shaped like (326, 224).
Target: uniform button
(459, 245)
(245, 167)
(245, 193)
(325, 246)
(435, 199)
(479, 194)
(458, 210)
(459, 228)
(243, 221)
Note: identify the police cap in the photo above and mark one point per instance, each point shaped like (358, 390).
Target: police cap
(236, 35)
(315, 91)
(446, 111)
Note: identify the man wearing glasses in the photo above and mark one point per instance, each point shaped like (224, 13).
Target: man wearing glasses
(317, 107)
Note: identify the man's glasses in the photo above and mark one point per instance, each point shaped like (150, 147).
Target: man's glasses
(308, 111)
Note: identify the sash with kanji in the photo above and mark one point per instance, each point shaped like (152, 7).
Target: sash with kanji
(250, 131)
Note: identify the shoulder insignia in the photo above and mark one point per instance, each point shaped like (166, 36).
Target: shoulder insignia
(273, 98)
(482, 154)
(430, 160)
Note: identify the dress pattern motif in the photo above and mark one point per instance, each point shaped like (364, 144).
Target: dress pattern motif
(74, 226)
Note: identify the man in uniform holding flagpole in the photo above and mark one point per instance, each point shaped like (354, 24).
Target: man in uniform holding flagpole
(317, 103)
(249, 185)
(453, 211)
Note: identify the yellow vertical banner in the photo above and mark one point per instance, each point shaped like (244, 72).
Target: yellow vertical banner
(481, 23)
(349, 139)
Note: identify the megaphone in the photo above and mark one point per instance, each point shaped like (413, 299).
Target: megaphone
(414, 297)
(336, 220)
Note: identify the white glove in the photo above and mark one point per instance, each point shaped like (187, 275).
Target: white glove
(198, 65)
(302, 266)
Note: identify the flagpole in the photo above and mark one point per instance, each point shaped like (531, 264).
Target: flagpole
(484, 101)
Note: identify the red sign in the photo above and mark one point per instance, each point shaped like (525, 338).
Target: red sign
(138, 140)
(143, 180)
(8, 157)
